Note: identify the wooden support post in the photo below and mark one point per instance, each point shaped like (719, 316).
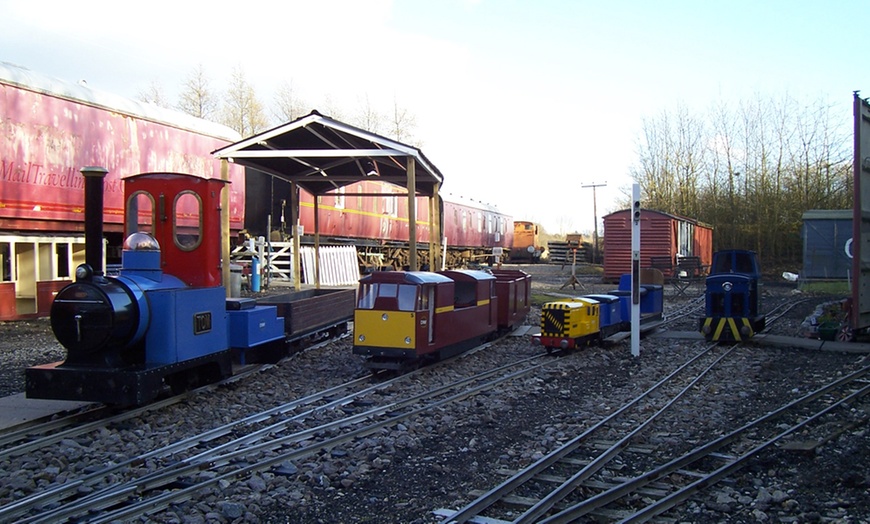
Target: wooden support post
(412, 213)
(294, 221)
(437, 233)
(316, 243)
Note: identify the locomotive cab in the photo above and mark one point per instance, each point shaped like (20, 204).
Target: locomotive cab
(395, 314)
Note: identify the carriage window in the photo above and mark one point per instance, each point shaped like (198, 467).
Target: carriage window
(187, 221)
(339, 198)
(140, 213)
(388, 290)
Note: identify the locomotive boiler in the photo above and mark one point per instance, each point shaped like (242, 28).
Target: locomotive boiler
(164, 321)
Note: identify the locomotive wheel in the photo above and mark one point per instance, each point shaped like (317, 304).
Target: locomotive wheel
(846, 334)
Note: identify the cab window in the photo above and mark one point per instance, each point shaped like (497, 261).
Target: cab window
(187, 221)
(407, 298)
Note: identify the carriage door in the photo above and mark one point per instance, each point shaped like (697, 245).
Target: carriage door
(427, 296)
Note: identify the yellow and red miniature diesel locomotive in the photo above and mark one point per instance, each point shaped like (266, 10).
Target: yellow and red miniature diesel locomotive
(409, 317)
(575, 322)
(569, 323)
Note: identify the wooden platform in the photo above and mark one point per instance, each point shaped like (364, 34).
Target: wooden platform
(782, 341)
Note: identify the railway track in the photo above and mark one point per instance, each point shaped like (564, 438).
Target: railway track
(618, 468)
(688, 474)
(590, 476)
(579, 459)
(264, 441)
(32, 435)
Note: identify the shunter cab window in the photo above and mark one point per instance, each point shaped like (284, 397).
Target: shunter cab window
(404, 295)
(741, 263)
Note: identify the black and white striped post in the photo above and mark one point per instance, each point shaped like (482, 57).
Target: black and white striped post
(635, 270)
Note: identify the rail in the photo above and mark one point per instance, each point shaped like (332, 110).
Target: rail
(563, 455)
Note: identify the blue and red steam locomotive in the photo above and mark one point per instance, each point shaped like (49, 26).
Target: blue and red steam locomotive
(165, 320)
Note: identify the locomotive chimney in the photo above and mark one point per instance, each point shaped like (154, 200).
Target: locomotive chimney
(94, 176)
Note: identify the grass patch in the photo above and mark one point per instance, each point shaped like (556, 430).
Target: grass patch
(539, 299)
(829, 287)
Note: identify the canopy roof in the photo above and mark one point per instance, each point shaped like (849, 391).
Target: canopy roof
(321, 154)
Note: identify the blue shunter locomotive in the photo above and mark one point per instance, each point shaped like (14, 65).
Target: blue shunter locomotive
(733, 297)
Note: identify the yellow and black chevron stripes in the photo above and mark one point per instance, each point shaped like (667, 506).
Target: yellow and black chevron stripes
(728, 328)
(555, 322)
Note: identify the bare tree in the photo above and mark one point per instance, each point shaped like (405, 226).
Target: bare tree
(402, 124)
(330, 108)
(749, 171)
(671, 157)
(368, 117)
(287, 104)
(197, 98)
(242, 109)
(154, 94)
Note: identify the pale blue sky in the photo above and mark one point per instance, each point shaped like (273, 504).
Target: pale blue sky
(519, 103)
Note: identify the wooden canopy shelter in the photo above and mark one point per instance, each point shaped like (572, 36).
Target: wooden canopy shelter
(320, 155)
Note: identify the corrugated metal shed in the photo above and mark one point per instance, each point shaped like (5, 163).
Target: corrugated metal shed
(661, 235)
(827, 235)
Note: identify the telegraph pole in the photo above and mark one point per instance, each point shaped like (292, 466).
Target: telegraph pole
(595, 217)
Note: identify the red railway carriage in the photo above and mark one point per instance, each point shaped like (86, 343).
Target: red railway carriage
(51, 129)
(514, 289)
(662, 235)
(411, 317)
(469, 224)
(472, 229)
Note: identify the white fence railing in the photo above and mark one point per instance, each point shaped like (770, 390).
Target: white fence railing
(338, 264)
